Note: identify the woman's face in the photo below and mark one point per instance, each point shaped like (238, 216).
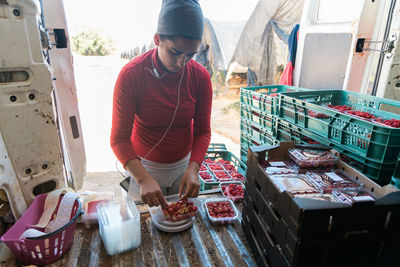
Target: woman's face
(176, 52)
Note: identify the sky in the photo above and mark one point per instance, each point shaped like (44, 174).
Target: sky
(132, 23)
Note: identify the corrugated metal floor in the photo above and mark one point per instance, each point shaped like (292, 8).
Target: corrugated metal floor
(203, 244)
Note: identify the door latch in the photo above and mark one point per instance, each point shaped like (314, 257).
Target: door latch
(386, 47)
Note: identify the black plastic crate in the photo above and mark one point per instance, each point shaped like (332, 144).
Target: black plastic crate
(359, 248)
(265, 249)
(310, 219)
(355, 250)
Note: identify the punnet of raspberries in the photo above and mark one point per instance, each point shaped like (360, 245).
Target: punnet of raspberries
(391, 123)
(234, 191)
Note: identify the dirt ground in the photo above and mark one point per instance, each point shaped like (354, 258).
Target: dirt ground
(95, 78)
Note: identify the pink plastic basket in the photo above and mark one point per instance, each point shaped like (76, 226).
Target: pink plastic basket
(46, 248)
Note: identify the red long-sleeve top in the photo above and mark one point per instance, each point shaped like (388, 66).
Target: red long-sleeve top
(143, 108)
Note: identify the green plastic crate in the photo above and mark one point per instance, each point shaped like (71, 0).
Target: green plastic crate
(246, 141)
(265, 98)
(226, 155)
(395, 182)
(396, 173)
(379, 172)
(259, 118)
(376, 143)
(255, 131)
(216, 147)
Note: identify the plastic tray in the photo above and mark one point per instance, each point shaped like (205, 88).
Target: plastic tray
(265, 98)
(224, 186)
(308, 158)
(224, 220)
(370, 140)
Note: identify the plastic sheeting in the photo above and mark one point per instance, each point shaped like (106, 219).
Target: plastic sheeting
(262, 46)
(210, 54)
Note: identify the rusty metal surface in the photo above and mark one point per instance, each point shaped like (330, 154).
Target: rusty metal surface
(203, 244)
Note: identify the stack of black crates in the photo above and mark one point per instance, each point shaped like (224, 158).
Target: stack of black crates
(286, 231)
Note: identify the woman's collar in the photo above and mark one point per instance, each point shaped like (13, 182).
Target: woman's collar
(161, 69)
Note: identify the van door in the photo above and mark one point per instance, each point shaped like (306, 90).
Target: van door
(336, 42)
(66, 102)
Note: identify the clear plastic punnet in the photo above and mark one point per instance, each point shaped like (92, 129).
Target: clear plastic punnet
(119, 225)
(349, 196)
(220, 210)
(318, 196)
(295, 184)
(222, 176)
(277, 166)
(203, 167)
(312, 158)
(232, 190)
(206, 176)
(335, 179)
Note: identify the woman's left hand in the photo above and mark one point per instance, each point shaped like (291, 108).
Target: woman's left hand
(190, 181)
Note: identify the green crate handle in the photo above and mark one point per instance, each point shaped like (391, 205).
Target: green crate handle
(390, 102)
(216, 147)
(378, 100)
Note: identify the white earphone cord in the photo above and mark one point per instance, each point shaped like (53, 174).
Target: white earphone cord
(173, 117)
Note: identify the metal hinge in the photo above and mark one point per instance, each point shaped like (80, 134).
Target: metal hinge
(56, 39)
(386, 47)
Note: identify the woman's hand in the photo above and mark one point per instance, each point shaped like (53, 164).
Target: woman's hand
(190, 181)
(151, 194)
(150, 191)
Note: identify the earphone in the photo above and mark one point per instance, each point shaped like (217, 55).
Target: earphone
(154, 72)
(156, 75)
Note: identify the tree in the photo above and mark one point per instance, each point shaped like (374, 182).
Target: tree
(90, 42)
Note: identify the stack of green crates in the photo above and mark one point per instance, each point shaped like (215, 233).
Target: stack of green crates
(303, 115)
(258, 109)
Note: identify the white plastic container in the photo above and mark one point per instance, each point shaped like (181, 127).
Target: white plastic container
(119, 225)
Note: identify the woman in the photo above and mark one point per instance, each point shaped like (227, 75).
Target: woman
(161, 109)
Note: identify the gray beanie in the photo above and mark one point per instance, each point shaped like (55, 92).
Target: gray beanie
(181, 18)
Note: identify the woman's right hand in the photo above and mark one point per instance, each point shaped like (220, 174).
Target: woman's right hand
(151, 194)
